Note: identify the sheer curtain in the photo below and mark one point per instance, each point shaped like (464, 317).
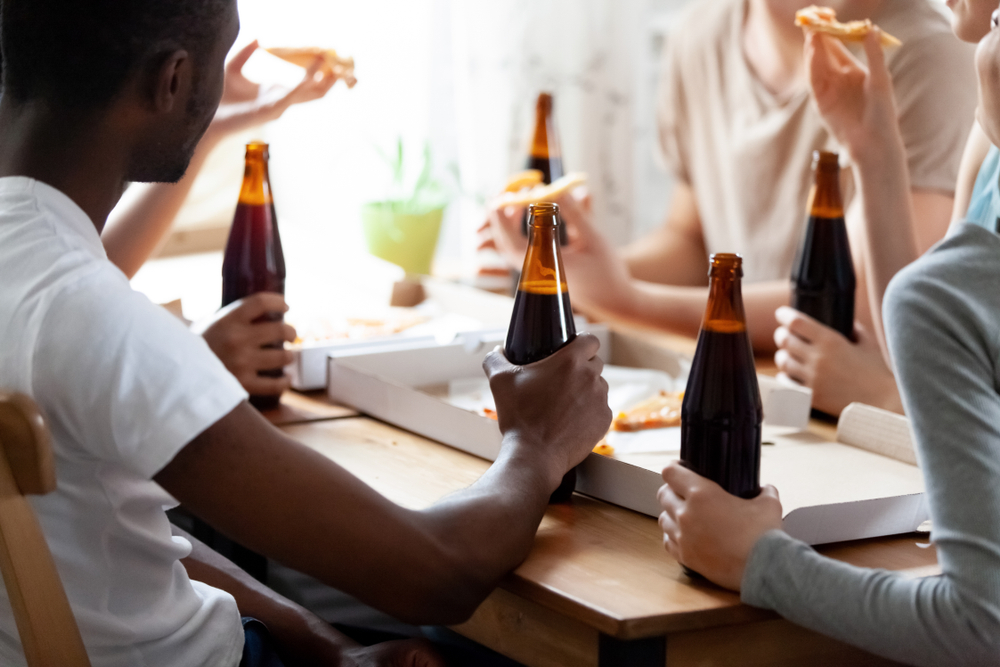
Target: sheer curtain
(463, 75)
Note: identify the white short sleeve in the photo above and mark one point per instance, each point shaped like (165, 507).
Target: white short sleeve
(124, 378)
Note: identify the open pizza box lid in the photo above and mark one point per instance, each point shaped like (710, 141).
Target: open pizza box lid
(866, 484)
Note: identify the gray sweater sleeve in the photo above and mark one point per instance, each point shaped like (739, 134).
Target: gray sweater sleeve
(943, 321)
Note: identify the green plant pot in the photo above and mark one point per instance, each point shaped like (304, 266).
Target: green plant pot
(405, 239)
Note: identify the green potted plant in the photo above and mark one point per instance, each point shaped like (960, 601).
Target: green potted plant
(404, 228)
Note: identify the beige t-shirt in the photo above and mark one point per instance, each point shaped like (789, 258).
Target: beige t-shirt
(747, 154)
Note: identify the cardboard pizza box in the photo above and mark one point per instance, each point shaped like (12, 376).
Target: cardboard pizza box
(863, 484)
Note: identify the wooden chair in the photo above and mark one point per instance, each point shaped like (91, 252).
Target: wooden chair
(45, 622)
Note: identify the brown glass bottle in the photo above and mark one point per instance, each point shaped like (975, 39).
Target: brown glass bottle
(545, 154)
(823, 281)
(253, 261)
(542, 321)
(722, 412)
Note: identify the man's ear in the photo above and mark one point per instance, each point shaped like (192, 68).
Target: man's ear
(172, 81)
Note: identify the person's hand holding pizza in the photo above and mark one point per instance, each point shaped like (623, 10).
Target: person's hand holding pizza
(599, 280)
(502, 231)
(246, 103)
(856, 102)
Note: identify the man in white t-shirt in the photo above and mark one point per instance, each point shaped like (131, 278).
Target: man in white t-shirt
(143, 413)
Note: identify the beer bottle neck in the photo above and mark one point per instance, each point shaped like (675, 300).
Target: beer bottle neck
(824, 198)
(724, 312)
(544, 144)
(543, 271)
(256, 188)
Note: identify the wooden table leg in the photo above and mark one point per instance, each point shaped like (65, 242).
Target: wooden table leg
(649, 652)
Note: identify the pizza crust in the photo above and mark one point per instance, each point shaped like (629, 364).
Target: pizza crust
(824, 20)
(306, 56)
(660, 411)
(540, 193)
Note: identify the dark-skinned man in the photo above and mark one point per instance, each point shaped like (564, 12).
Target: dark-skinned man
(96, 94)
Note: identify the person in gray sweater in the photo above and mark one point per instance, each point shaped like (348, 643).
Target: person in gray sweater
(941, 318)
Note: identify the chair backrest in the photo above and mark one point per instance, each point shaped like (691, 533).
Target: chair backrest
(45, 621)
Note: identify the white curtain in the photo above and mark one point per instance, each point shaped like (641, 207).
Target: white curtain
(464, 75)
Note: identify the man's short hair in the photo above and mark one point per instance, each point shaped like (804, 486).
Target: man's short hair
(80, 53)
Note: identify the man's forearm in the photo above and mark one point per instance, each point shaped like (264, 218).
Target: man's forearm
(491, 525)
(429, 566)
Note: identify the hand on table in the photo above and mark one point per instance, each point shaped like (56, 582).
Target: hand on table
(303, 638)
(838, 371)
(246, 104)
(558, 406)
(855, 102)
(399, 653)
(237, 340)
(712, 531)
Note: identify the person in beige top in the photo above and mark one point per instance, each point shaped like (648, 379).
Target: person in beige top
(737, 128)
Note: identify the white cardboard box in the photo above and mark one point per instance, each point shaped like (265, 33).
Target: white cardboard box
(490, 312)
(864, 485)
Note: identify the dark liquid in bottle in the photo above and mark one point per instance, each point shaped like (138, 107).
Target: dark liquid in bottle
(722, 413)
(255, 263)
(540, 325)
(823, 281)
(721, 416)
(551, 167)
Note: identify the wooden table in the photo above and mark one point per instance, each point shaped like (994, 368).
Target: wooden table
(597, 589)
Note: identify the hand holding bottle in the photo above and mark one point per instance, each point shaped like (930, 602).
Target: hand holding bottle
(710, 530)
(557, 408)
(856, 102)
(838, 371)
(238, 340)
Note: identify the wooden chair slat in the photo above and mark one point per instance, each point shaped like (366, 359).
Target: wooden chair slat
(45, 622)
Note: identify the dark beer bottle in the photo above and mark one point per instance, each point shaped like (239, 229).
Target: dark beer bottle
(545, 154)
(253, 261)
(722, 412)
(542, 321)
(823, 279)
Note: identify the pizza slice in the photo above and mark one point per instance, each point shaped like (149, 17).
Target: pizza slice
(540, 193)
(528, 178)
(660, 411)
(824, 19)
(306, 56)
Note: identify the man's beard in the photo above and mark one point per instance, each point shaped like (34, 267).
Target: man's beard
(168, 163)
